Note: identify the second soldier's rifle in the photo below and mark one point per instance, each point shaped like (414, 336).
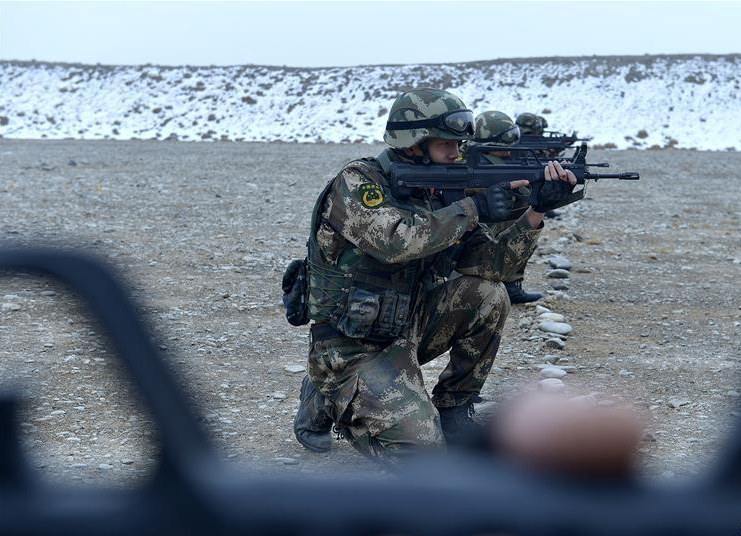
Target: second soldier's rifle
(455, 181)
(550, 143)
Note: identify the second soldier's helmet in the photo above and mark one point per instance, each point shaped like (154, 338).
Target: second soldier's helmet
(496, 127)
(529, 124)
(543, 122)
(420, 114)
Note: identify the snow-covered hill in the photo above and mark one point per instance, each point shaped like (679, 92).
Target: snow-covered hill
(683, 101)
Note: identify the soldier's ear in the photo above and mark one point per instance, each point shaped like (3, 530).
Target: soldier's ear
(413, 151)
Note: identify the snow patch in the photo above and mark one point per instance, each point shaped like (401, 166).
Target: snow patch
(640, 102)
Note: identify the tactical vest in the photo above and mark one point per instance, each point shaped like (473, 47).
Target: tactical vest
(358, 295)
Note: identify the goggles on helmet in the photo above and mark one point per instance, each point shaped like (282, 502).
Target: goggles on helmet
(508, 137)
(459, 122)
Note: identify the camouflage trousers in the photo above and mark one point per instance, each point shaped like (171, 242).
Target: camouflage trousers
(518, 270)
(375, 393)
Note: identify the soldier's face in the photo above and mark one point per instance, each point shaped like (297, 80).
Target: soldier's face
(442, 151)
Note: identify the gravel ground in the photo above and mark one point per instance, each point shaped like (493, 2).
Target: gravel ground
(203, 231)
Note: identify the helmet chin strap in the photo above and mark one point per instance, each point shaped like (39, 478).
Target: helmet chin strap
(425, 152)
(423, 159)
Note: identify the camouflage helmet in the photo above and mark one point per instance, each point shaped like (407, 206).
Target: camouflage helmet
(529, 124)
(496, 127)
(543, 122)
(420, 114)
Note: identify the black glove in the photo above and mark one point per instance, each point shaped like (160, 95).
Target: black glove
(550, 195)
(495, 203)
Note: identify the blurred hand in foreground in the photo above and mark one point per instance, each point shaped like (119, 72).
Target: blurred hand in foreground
(572, 436)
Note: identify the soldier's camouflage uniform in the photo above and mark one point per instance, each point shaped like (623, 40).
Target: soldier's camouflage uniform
(374, 390)
(491, 127)
(517, 272)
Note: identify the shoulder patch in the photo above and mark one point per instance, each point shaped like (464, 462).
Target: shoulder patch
(371, 195)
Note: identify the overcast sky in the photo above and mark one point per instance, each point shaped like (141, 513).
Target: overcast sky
(351, 33)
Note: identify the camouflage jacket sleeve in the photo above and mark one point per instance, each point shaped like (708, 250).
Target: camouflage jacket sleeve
(497, 256)
(363, 213)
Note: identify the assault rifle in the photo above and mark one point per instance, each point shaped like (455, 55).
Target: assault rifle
(476, 173)
(551, 143)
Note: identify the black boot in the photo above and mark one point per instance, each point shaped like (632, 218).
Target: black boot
(458, 424)
(312, 426)
(517, 295)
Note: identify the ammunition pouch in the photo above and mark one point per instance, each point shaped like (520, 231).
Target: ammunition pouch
(360, 313)
(372, 313)
(296, 293)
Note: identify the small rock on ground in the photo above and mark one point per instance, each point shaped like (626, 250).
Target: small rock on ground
(555, 343)
(675, 403)
(553, 317)
(552, 372)
(551, 385)
(560, 284)
(560, 262)
(561, 328)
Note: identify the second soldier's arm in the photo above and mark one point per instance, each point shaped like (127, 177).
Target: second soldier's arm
(367, 216)
(497, 257)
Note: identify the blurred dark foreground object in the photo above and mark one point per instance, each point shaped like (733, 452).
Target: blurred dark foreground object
(193, 491)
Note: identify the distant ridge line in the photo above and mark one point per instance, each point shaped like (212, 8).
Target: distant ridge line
(538, 60)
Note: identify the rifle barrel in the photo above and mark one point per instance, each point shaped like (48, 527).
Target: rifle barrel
(627, 176)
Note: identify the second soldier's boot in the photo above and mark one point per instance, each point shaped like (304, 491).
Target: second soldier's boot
(517, 295)
(312, 425)
(458, 424)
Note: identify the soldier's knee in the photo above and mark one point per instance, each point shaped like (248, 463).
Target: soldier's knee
(491, 295)
(417, 431)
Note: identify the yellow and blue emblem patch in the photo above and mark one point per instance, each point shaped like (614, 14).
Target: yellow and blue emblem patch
(371, 195)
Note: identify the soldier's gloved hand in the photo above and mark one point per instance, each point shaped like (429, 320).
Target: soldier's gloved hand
(494, 203)
(555, 191)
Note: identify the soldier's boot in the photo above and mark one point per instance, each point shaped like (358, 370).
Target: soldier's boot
(312, 425)
(517, 295)
(458, 424)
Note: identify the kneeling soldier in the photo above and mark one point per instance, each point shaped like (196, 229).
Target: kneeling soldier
(381, 299)
(497, 127)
